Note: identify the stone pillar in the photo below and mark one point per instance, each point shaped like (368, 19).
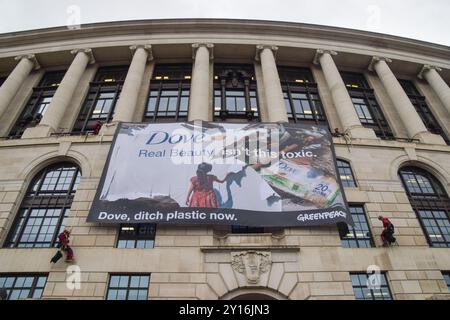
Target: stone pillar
(272, 86)
(126, 105)
(63, 95)
(413, 123)
(12, 84)
(430, 73)
(199, 106)
(343, 103)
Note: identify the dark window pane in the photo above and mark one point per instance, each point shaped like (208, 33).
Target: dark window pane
(23, 287)
(366, 105)
(101, 100)
(45, 208)
(363, 292)
(422, 108)
(360, 235)
(38, 102)
(235, 85)
(136, 236)
(430, 202)
(128, 287)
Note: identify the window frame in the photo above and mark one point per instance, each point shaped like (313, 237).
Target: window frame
(351, 230)
(300, 80)
(352, 175)
(35, 200)
(386, 286)
(136, 237)
(32, 289)
(96, 88)
(42, 91)
(358, 88)
(179, 84)
(235, 78)
(423, 109)
(446, 277)
(127, 288)
(423, 202)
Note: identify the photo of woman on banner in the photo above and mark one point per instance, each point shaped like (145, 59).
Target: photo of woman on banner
(201, 193)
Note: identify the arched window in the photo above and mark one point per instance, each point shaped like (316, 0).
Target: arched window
(430, 202)
(346, 174)
(45, 208)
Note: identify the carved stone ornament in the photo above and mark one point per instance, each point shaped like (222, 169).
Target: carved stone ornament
(251, 263)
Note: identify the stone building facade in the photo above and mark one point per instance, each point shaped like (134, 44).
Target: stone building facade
(389, 97)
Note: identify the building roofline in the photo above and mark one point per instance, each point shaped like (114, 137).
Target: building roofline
(153, 26)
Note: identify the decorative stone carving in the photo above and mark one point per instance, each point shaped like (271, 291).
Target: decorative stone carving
(251, 263)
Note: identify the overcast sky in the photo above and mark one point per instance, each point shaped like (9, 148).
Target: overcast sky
(427, 20)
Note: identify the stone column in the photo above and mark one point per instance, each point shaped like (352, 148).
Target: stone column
(413, 123)
(63, 95)
(199, 106)
(126, 105)
(430, 73)
(343, 103)
(272, 85)
(12, 84)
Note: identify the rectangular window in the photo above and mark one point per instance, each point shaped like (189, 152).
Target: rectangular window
(436, 225)
(23, 286)
(244, 229)
(346, 174)
(446, 276)
(140, 236)
(98, 107)
(422, 108)
(366, 105)
(360, 235)
(375, 291)
(128, 287)
(168, 98)
(301, 96)
(235, 93)
(38, 103)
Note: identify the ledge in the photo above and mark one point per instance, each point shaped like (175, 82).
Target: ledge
(246, 247)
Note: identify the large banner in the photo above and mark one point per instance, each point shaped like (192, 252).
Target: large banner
(263, 174)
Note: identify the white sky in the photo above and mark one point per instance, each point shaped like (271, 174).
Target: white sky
(427, 20)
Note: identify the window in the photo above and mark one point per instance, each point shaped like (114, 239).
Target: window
(430, 202)
(137, 236)
(421, 106)
(45, 208)
(364, 292)
(37, 104)
(346, 174)
(244, 229)
(128, 287)
(235, 93)
(358, 236)
(301, 97)
(446, 276)
(23, 286)
(169, 93)
(366, 105)
(101, 100)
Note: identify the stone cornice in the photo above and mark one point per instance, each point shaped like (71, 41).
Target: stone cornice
(353, 38)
